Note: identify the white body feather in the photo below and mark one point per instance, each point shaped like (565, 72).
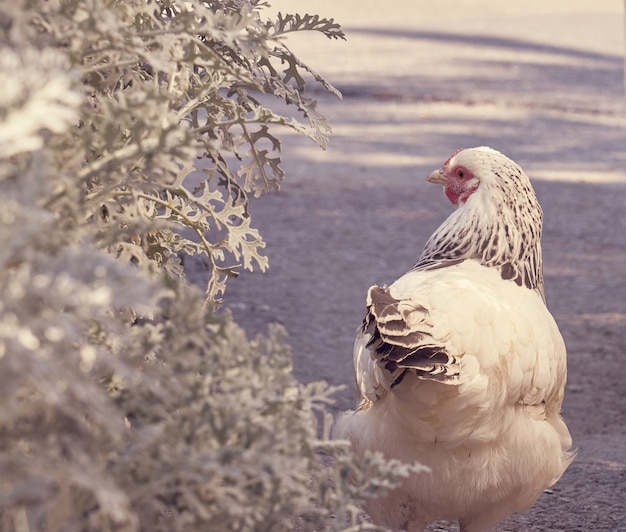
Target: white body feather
(493, 438)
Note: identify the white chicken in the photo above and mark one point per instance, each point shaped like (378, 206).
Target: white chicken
(459, 364)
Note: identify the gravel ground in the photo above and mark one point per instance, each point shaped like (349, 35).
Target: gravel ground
(541, 82)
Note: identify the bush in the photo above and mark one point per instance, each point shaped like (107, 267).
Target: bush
(126, 402)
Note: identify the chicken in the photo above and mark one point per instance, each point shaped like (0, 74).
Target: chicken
(459, 364)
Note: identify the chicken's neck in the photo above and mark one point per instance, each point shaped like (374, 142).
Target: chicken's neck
(501, 234)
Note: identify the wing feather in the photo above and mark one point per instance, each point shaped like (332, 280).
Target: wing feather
(396, 338)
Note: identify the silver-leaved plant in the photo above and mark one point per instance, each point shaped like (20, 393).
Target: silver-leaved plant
(133, 133)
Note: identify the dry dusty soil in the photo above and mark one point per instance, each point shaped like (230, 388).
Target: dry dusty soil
(543, 85)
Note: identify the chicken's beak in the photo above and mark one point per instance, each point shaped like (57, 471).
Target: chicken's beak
(437, 177)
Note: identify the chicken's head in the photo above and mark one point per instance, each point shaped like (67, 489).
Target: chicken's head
(457, 176)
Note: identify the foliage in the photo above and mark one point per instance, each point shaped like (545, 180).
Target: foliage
(173, 129)
(133, 132)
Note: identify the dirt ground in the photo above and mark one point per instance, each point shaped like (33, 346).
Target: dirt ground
(544, 86)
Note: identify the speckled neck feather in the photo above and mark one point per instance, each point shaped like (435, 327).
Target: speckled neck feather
(500, 225)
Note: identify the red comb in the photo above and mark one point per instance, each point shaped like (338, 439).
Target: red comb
(457, 151)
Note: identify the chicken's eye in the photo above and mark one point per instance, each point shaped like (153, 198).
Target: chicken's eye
(462, 173)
